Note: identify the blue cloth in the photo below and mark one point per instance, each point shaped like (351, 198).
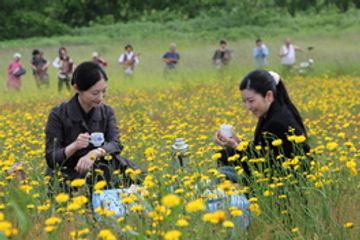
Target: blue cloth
(235, 200)
(173, 58)
(260, 55)
(111, 200)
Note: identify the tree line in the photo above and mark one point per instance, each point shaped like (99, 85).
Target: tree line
(22, 19)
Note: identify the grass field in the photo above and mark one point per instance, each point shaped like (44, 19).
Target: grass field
(152, 112)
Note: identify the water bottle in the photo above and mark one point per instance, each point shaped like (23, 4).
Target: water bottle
(180, 156)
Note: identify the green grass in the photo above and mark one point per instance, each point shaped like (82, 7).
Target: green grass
(333, 35)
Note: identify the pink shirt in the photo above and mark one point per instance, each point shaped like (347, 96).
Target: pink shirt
(13, 81)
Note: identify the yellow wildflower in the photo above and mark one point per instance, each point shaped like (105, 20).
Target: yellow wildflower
(170, 200)
(172, 235)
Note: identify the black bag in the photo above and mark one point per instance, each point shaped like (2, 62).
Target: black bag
(19, 72)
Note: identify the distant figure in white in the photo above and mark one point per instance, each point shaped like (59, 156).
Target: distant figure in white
(129, 59)
(287, 53)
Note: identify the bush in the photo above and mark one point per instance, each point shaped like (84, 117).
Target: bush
(25, 24)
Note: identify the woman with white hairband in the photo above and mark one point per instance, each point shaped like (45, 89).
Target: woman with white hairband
(15, 71)
(265, 95)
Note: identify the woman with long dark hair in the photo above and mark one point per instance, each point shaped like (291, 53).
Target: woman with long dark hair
(80, 133)
(265, 95)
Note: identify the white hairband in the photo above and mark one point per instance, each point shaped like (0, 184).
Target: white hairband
(275, 76)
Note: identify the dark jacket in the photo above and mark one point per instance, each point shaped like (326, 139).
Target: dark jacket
(66, 122)
(275, 125)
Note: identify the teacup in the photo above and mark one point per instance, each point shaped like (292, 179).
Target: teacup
(97, 139)
(226, 130)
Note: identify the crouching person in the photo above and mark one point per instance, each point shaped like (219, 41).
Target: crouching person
(82, 137)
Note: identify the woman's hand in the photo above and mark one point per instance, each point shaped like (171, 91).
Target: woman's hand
(221, 140)
(82, 141)
(85, 163)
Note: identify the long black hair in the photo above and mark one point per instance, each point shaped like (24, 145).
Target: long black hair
(87, 74)
(262, 81)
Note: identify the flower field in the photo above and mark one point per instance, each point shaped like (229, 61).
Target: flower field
(172, 203)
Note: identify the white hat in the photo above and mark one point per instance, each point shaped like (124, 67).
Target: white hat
(95, 54)
(17, 55)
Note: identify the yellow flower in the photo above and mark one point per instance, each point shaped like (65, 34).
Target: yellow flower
(52, 221)
(137, 208)
(106, 234)
(254, 207)
(331, 146)
(172, 235)
(300, 139)
(236, 213)
(268, 193)
(277, 142)
(26, 188)
(291, 138)
(100, 185)
(79, 182)
(242, 146)
(78, 234)
(182, 223)
(349, 225)
(61, 197)
(295, 230)
(215, 217)
(170, 201)
(49, 229)
(195, 206)
(80, 200)
(218, 216)
(216, 156)
(228, 224)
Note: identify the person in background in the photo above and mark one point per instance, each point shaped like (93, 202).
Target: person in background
(260, 54)
(15, 71)
(287, 54)
(96, 58)
(171, 58)
(128, 60)
(222, 55)
(65, 65)
(39, 66)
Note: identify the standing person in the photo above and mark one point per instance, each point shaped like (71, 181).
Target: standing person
(171, 58)
(39, 66)
(129, 59)
(15, 71)
(222, 56)
(65, 66)
(96, 58)
(265, 95)
(70, 147)
(260, 54)
(287, 54)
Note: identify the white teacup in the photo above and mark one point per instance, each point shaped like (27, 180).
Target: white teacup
(97, 139)
(226, 130)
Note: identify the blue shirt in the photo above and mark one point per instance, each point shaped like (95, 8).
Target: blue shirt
(172, 57)
(260, 55)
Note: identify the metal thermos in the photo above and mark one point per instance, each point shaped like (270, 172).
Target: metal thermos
(179, 153)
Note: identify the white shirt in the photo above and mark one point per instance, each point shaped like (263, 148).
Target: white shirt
(289, 55)
(129, 56)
